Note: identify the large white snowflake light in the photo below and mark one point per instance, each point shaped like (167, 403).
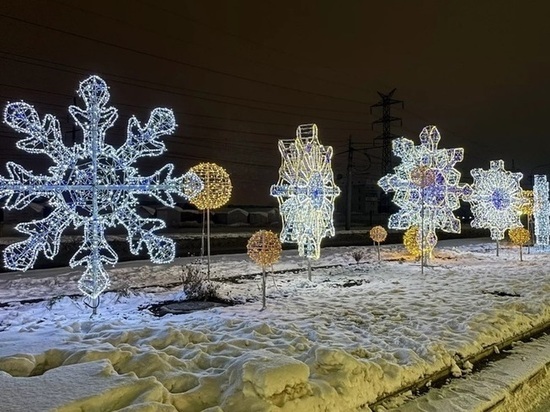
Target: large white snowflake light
(306, 191)
(495, 199)
(426, 185)
(91, 185)
(541, 210)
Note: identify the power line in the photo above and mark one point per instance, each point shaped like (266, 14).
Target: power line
(176, 61)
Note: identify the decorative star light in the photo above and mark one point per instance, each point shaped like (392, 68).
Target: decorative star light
(426, 185)
(495, 199)
(91, 185)
(541, 210)
(306, 191)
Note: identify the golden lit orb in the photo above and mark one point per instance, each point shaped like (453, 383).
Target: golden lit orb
(264, 248)
(217, 186)
(519, 236)
(378, 234)
(528, 203)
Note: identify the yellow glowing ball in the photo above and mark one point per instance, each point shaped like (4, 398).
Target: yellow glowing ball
(528, 203)
(264, 247)
(519, 236)
(378, 234)
(217, 186)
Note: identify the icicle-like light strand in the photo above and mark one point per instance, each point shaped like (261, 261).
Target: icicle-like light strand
(426, 185)
(495, 199)
(91, 185)
(306, 191)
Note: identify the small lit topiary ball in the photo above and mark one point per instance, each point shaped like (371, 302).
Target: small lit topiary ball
(378, 234)
(264, 248)
(519, 236)
(217, 186)
(528, 203)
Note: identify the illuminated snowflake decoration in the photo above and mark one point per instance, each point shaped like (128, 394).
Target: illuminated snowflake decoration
(306, 191)
(426, 185)
(91, 185)
(495, 199)
(541, 210)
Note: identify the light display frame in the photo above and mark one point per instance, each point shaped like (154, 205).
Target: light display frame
(495, 199)
(91, 185)
(427, 187)
(541, 210)
(306, 191)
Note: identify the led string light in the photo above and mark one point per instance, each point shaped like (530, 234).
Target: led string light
(378, 234)
(264, 248)
(427, 187)
(215, 194)
(495, 199)
(541, 210)
(306, 191)
(91, 185)
(520, 236)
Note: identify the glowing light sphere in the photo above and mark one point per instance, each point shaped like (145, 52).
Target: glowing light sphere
(541, 210)
(306, 191)
(495, 199)
(92, 185)
(264, 248)
(217, 186)
(426, 185)
(519, 236)
(378, 234)
(528, 204)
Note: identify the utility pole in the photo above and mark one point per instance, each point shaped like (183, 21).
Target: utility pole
(386, 120)
(350, 185)
(387, 136)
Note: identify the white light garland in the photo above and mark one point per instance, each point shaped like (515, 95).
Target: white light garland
(541, 210)
(495, 199)
(91, 185)
(306, 191)
(426, 185)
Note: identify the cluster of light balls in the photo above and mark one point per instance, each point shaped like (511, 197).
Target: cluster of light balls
(495, 199)
(427, 187)
(306, 191)
(91, 185)
(217, 186)
(519, 235)
(264, 248)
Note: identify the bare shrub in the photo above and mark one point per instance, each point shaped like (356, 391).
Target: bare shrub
(195, 284)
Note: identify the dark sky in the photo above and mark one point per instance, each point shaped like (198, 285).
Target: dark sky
(242, 74)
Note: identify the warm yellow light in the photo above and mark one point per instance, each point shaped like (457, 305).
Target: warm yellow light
(519, 236)
(528, 203)
(264, 248)
(378, 234)
(410, 242)
(217, 186)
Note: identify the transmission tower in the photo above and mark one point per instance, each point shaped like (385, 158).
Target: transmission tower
(386, 120)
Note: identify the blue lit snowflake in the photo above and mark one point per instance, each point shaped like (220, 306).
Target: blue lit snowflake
(426, 185)
(541, 210)
(306, 191)
(495, 199)
(91, 185)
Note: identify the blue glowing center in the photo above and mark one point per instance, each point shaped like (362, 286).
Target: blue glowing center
(500, 199)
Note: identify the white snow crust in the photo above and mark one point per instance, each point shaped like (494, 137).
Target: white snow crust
(356, 333)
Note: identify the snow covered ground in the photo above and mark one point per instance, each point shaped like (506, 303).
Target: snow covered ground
(356, 333)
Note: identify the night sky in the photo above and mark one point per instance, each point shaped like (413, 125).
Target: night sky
(240, 75)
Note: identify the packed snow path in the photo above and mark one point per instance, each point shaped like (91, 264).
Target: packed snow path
(356, 333)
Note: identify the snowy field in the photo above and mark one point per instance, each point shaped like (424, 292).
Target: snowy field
(356, 333)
